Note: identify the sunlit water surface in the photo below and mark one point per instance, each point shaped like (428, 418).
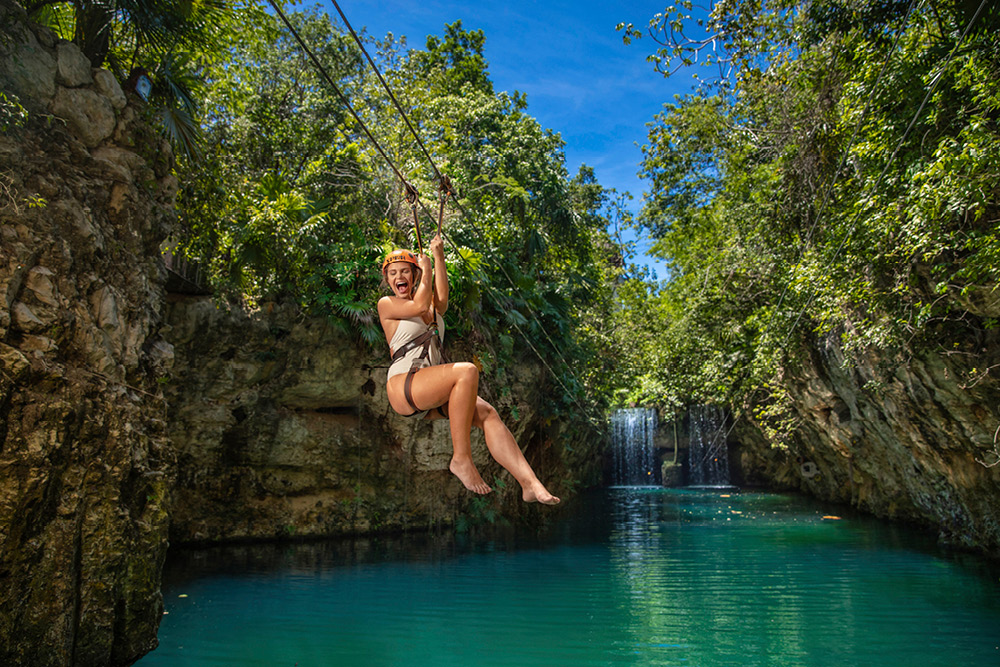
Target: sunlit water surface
(624, 577)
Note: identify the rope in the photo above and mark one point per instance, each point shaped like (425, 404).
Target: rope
(444, 185)
(343, 98)
(410, 190)
(387, 89)
(412, 198)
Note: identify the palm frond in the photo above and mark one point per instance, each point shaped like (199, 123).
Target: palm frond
(183, 132)
(59, 17)
(372, 334)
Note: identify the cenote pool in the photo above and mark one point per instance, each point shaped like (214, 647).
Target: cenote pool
(627, 576)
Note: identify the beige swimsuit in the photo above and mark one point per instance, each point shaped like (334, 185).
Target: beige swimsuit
(419, 356)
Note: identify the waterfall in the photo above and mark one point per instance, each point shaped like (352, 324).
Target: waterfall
(632, 453)
(708, 456)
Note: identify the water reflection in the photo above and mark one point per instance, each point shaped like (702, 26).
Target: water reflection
(625, 577)
(741, 578)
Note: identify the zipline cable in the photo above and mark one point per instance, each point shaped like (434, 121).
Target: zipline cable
(446, 188)
(410, 190)
(399, 107)
(343, 98)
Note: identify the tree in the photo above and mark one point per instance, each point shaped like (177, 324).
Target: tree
(293, 203)
(837, 177)
(169, 40)
(456, 59)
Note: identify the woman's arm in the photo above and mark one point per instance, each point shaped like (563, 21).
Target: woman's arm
(440, 275)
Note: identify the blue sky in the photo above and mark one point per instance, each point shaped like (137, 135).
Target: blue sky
(580, 79)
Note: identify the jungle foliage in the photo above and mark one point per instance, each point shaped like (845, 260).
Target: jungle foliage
(285, 198)
(170, 41)
(288, 200)
(835, 174)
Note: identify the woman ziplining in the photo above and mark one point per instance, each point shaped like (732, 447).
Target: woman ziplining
(419, 385)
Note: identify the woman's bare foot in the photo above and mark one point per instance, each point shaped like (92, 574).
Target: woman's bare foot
(466, 471)
(537, 493)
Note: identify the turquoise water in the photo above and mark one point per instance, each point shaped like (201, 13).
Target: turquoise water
(623, 577)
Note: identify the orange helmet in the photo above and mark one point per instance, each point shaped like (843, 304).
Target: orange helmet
(399, 256)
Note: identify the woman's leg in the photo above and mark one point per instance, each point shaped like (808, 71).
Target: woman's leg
(454, 384)
(504, 449)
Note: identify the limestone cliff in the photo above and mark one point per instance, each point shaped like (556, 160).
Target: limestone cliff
(85, 200)
(269, 424)
(282, 429)
(913, 438)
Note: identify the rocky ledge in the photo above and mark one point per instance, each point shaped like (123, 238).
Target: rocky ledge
(914, 439)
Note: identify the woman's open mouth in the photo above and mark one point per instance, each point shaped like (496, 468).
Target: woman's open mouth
(402, 286)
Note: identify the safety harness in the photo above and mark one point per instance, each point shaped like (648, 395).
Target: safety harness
(423, 341)
(429, 337)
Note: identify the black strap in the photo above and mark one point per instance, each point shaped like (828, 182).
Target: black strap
(408, 394)
(423, 340)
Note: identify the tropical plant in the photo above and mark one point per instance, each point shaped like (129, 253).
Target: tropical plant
(167, 40)
(836, 178)
(293, 202)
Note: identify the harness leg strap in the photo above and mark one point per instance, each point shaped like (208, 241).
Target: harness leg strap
(407, 392)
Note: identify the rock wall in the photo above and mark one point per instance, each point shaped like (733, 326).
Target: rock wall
(914, 439)
(85, 199)
(270, 425)
(282, 429)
